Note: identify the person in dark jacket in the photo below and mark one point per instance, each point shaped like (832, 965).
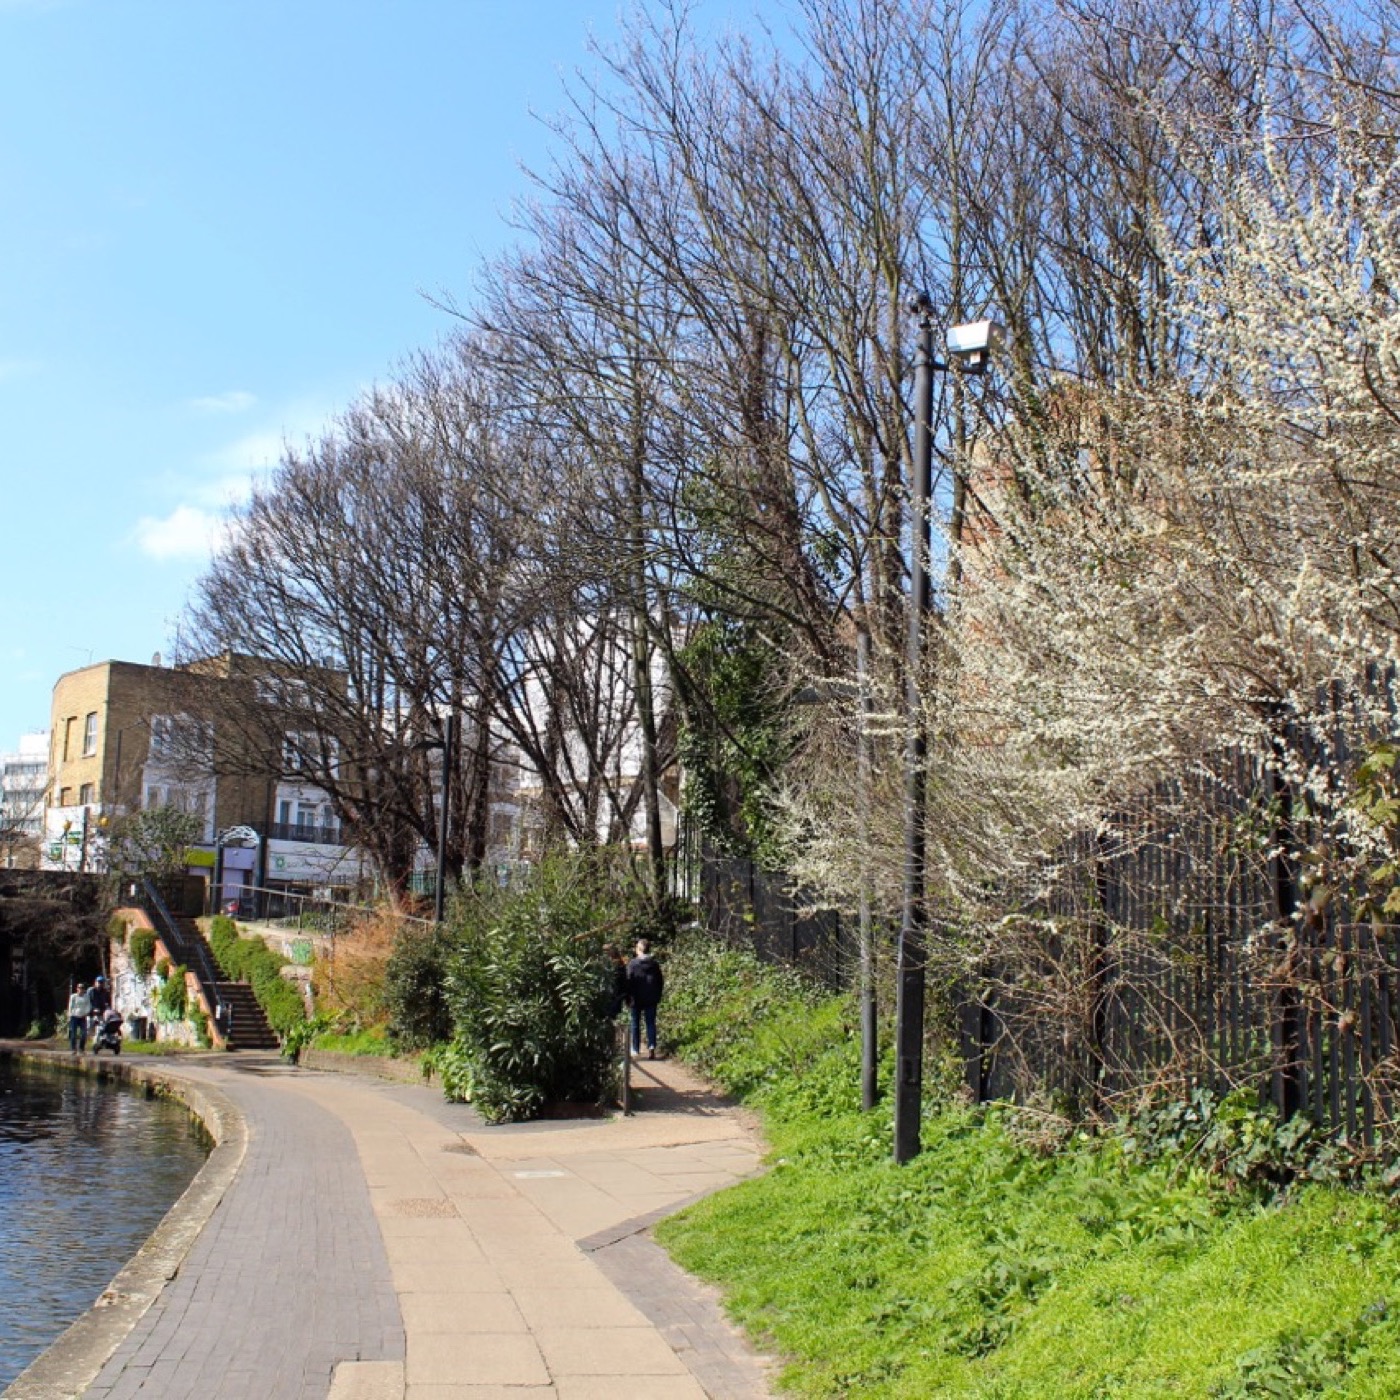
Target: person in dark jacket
(617, 980)
(645, 984)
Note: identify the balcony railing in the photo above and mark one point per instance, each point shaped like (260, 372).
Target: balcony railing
(305, 831)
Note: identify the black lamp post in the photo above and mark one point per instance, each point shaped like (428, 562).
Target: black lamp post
(448, 745)
(969, 346)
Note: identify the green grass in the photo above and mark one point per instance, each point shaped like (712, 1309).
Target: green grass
(984, 1269)
(372, 1041)
(157, 1047)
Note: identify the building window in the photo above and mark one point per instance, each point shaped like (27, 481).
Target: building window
(65, 797)
(90, 735)
(152, 797)
(182, 738)
(68, 737)
(296, 752)
(284, 813)
(85, 795)
(162, 735)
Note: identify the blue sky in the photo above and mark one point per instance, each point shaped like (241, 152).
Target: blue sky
(220, 220)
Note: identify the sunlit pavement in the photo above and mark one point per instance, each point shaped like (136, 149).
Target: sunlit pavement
(379, 1242)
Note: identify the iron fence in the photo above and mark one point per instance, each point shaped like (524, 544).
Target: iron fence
(1183, 943)
(769, 913)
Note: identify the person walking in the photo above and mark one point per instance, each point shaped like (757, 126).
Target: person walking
(617, 980)
(645, 983)
(79, 1008)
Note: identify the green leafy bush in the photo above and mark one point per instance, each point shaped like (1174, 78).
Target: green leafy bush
(141, 945)
(528, 989)
(172, 1000)
(448, 1060)
(1240, 1139)
(251, 960)
(300, 1036)
(415, 989)
(200, 1022)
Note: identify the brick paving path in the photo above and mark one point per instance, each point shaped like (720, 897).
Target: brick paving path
(288, 1278)
(380, 1244)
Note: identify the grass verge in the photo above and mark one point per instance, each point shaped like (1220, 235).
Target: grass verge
(372, 1040)
(988, 1269)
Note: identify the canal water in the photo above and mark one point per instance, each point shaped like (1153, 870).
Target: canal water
(87, 1170)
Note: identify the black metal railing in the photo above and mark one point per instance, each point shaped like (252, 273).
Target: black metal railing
(305, 831)
(191, 953)
(304, 912)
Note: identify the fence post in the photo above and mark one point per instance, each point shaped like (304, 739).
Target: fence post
(1287, 1029)
(1097, 1066)
(624, 1039)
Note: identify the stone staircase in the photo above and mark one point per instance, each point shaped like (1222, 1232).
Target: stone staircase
(247, 1025)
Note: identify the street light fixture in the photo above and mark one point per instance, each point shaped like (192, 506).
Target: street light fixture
(447, 744)
(969, 348)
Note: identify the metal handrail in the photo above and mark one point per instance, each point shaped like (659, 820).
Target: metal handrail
(257, 902)
(194, 956)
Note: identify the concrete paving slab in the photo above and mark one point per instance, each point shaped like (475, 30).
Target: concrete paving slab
(631, 1388)
(484, 1358)
(426, 1313)
(575, 1307)
(445, 1276)
(480, 1392)
(608, 1351)
(367, 1380)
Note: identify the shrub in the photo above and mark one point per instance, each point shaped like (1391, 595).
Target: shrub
(141, 945)
(172, 1000)
(415, 989)
(300, 1036)
(251, 960)
(528, 988)
(163, 969)
(349, 973)
(200, 1022)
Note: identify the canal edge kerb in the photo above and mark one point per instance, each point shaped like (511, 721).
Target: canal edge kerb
(75, 1360)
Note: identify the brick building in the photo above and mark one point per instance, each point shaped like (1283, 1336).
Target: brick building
(126, 737)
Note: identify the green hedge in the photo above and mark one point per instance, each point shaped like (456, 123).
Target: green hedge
(172, 1001)
(251, 960)
(141, 945)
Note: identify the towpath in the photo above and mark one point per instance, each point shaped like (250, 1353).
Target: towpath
(377, 1243)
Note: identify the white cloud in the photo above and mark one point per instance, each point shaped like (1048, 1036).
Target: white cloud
(220, 481)
(188, 532)
(232, 401)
